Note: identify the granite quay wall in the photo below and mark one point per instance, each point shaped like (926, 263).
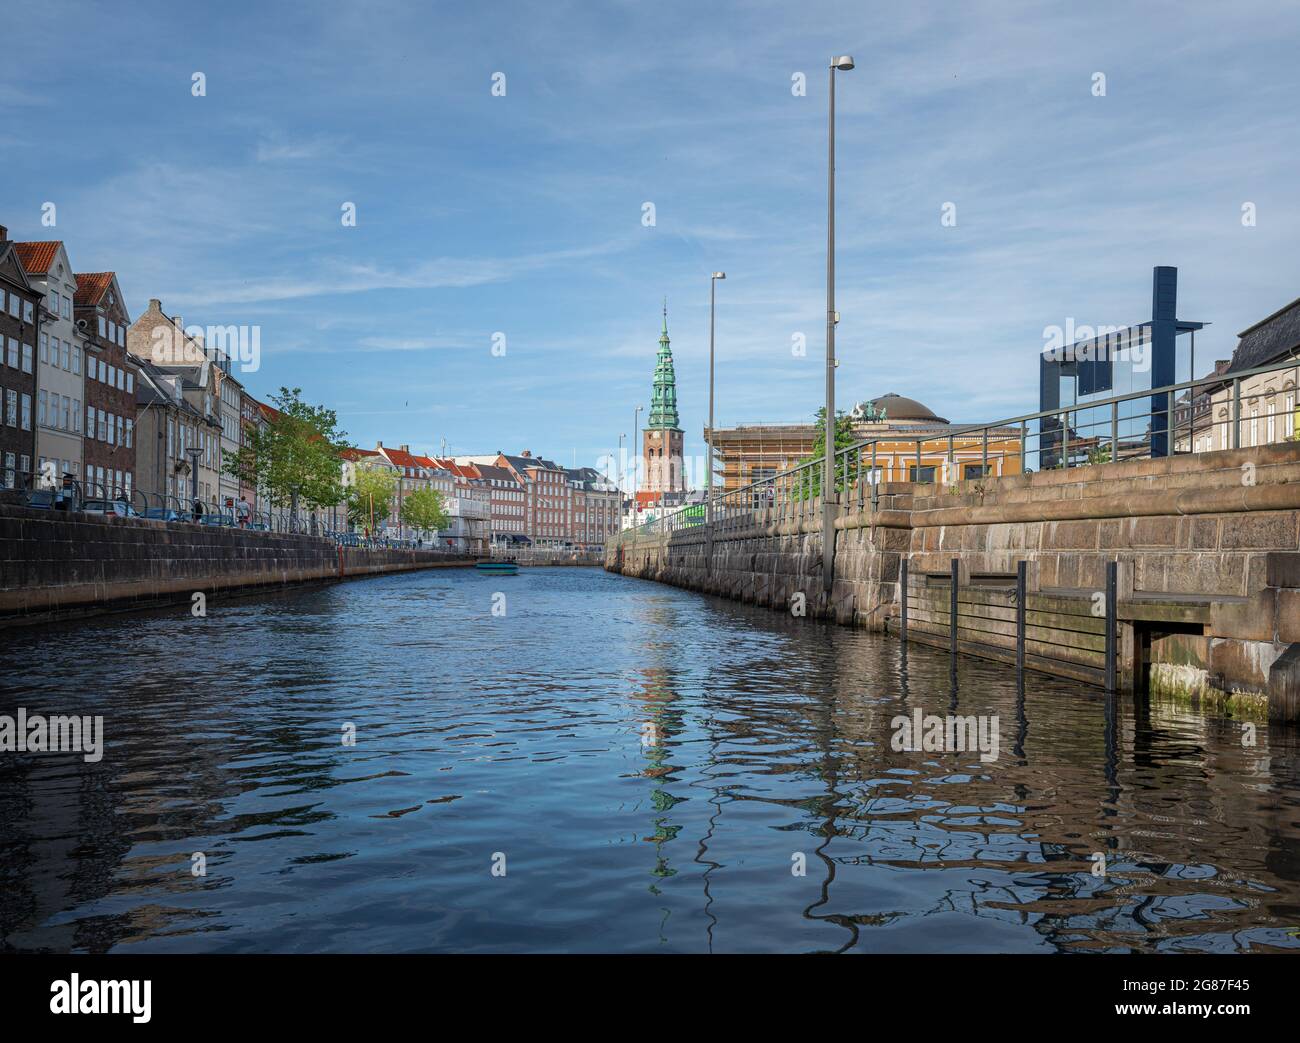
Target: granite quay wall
(58, 565)
(1207, 553)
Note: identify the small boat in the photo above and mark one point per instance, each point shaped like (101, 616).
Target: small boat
(498, 568)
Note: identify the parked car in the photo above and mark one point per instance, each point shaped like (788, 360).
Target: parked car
(163, 514)
(119, 508)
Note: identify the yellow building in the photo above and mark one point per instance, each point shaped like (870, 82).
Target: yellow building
(913, 445)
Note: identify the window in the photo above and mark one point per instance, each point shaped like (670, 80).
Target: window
(90, 423)
(11, 408)
(27, 412)
(67, 355)
(130, 383)
(45, 347)
(121, 336)
(102, 326)
(921, 474)
(28, 313)
(67, 307)
(103, 426)
(76, 415)
(10, 463)
(13, 353)
(14, 310)
(67, 413)
(54, 303)
(40, 407)
(974, 471)
(27, 358)
(130, 428)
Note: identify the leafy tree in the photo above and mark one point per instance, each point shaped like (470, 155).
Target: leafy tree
(371, 496)
(294, 458)
(809, 482)
(424, 509)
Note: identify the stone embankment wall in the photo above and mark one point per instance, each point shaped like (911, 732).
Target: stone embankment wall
(1208, 552)
(57, 565)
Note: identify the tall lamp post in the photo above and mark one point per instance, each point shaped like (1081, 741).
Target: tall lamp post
(620, 482)
(829, 496)
(708, 470)
(636, 460)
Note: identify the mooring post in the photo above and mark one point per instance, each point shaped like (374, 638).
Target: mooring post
(952, 599)
(1021, 569)
(1112, 616)
(902, 600)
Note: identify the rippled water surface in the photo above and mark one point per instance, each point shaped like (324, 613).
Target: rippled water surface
(652, 767)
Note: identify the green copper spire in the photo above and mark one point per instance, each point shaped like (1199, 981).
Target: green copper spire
(663, 402)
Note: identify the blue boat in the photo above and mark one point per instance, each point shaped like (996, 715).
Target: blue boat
(498, 568)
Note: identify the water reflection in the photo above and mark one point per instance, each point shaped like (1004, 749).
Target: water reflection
(661, 771)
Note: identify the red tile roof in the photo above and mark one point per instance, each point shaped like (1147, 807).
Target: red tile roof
(37, 257)
(91, 288)
(357, 454)
(399, 457)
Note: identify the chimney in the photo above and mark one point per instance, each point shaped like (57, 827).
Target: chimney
(526, 452)
(155, 304)
(178, 322)
(405, 448)
(4, 233)
(379, 445)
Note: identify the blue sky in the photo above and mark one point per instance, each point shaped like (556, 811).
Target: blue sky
(523, 214)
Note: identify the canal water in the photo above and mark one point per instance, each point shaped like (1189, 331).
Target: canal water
(568, 760)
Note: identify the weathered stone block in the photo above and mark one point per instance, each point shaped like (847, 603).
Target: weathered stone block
(1263, 531)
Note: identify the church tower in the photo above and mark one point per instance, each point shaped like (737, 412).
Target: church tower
(661, 443)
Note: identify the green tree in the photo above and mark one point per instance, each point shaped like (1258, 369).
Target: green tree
(294, 458)
(371, 496)
(809, 482)
(424, 509)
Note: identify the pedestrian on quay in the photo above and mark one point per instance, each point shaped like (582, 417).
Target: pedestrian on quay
(245, 512)
(197, 510)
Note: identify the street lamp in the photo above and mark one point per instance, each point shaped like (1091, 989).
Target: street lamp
(620, 481)
(636, 430)
(708, 471)
(829, 498)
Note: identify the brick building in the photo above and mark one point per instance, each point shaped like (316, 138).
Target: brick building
(108, 448)
(19, 318)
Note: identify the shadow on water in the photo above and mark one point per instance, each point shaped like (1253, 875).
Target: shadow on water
(654, 769)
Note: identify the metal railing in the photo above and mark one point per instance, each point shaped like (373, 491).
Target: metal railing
(71, 493)
(1173, 420)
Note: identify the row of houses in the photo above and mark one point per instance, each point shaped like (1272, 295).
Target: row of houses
(104, 400)
(150, 410)
(500, 499)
